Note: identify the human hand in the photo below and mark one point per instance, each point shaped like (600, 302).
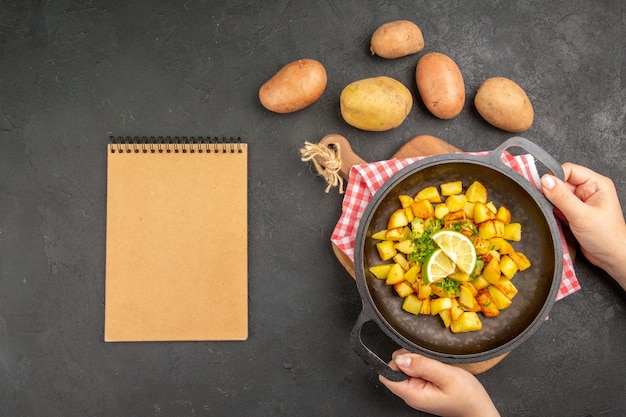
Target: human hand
(438, 388)
(588, 202)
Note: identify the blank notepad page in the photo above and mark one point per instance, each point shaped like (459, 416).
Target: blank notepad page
(176, 242)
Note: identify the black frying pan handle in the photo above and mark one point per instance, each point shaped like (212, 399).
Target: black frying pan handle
(535, 150)
(369, 357)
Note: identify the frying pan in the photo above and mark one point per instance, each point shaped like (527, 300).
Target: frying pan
(537, 286)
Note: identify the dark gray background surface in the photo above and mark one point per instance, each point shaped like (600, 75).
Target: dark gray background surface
(72, 73)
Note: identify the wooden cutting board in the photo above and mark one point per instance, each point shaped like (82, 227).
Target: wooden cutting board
(422, 145)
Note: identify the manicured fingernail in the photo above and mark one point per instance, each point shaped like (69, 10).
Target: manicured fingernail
(548, 181)
(403, 361)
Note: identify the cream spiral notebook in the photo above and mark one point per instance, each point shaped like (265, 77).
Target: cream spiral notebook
(176, 240)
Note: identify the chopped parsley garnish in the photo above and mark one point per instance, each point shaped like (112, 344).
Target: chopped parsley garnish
(464, 226)
(421, 238)
(457, 227)
(451, 287)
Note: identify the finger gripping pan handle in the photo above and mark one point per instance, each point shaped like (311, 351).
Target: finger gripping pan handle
(368, 356)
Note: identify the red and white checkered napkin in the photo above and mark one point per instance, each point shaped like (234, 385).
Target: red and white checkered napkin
(366, 179)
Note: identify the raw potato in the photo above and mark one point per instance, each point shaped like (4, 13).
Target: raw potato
(504, 104)
(375, 104)
(397, 39)
(440, 84)
(294, 87)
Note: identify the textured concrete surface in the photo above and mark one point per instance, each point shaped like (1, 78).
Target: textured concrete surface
(72, 73)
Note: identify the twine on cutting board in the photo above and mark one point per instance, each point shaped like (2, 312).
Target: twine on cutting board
(327, 162)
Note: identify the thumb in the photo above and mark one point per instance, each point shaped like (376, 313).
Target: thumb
(421, 367)
(561, 196)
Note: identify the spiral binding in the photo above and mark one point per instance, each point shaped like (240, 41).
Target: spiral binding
(176, 144)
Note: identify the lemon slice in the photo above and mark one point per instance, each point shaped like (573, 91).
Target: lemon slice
(458, 248)
(437, 267)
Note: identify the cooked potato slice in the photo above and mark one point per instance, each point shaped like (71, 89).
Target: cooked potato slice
(423, 209)
(455, 216)
(412, 304)
(429, 193)
(476, 193)
(441, 210)
(491, 272)
(456, 310)
(405, 246)
(513, 231)
(439, 304)
(506, 286)
(482, 213)
(520, 260)
(395, 275)
(466, 299)
(482, 246)
(424, 291)
(468, 322)
(490, 229)
(410, 276)
(507, 267)
(487, 305)
(501, 245)
(408, 211)
(504, 215)
(380, 235)
(395, 234)
(401, 260)
(468, 208)
(438, 290)
(380, 271)
(501, 301)
(460, 276)
(405, 200)
(451, 188)
(403, 289)
(386, 249)
(456, 202)
(470, 287)
(446, 317)
(487, 230)
(480, 283)
(397, 219)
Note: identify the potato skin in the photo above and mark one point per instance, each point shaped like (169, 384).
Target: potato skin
(294, 87)
(504, 104)
(440, 85)
(375, 104)
(397, 39)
